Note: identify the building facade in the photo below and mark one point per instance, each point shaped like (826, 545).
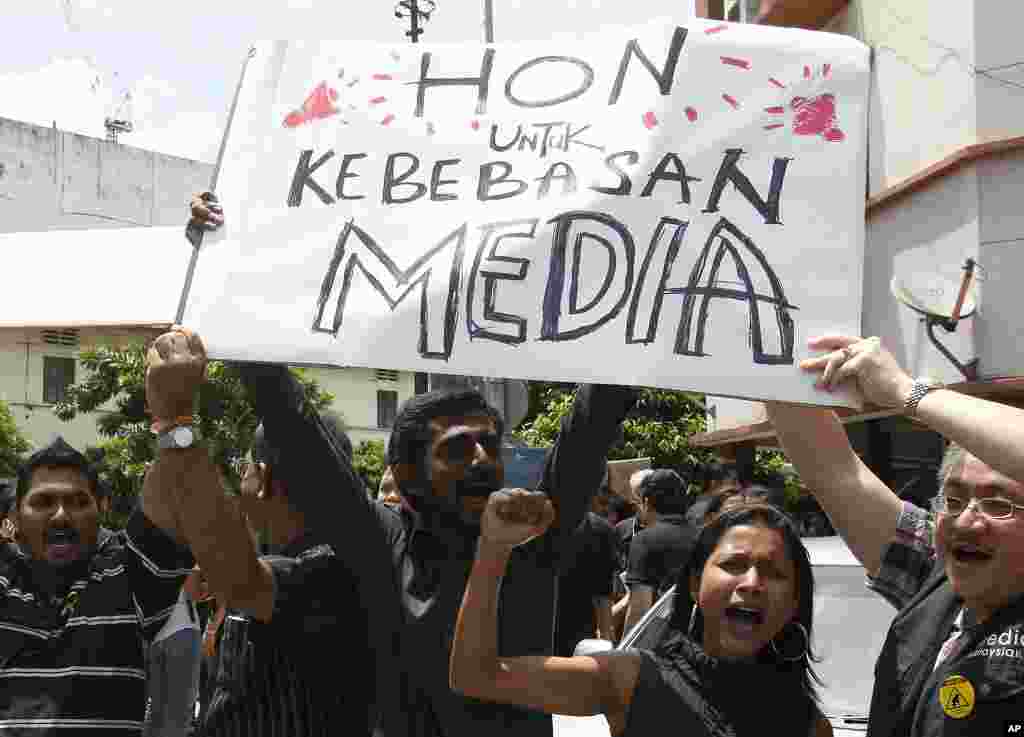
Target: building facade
(51, 180)
(945, 164)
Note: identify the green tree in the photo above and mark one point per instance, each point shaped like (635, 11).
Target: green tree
(115, 377)
(368, 462)
(658, 427)
(13, 444)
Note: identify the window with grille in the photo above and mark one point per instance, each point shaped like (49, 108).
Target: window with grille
(58, 375)
(387, 407)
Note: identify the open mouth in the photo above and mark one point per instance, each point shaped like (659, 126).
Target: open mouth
(969, 554)
(62, 542)
(745, 616)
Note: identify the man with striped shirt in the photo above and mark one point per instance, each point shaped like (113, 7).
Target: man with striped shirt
(76, 604)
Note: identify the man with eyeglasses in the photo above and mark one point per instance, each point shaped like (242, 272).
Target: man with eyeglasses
(953, 660)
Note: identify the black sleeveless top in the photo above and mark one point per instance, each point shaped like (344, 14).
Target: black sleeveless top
(701, 696)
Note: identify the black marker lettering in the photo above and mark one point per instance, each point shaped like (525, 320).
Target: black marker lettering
(625, 183)
(585, 83)
(567, 176)
(523, 229)
(390, 181)
(487, 181)
(730, 172)
(343, 174)
(436, 182)
(679, 231)
(552, 310)
(431, 345)
(687, 346)
(482, 83)
(661, 173)
(303, 178)
(664, 78)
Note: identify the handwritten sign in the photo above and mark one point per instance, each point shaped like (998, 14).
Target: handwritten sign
(677, 206)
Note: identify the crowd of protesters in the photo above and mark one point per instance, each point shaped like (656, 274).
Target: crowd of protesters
(450, 606)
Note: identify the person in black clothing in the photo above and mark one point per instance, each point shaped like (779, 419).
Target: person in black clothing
(585, 586)
(444, 453)
(719, 478)
(741, 662)
(300, 612)
(661, 549)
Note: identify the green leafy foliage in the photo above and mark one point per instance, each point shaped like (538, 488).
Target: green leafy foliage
(659, 426)
(114, 383)
(13, 444)
(368, 462)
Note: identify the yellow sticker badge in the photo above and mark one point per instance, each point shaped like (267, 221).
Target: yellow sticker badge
(956, 694)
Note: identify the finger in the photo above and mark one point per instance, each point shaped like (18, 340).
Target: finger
(835, 361)
(850, 368)
(195, 343)
(153, 357)
(831, 342)
(162, 346)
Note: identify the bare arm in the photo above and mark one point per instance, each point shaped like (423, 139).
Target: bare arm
(991, 431)
(641, 598)
(213, 527)
(603, 617)
(862, 508)
(183, 492)
(576, 686)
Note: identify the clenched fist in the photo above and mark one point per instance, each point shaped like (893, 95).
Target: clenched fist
(175, 368)
(515, 516)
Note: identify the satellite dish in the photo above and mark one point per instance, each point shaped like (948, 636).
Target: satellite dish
(935, 295)
(943, 301)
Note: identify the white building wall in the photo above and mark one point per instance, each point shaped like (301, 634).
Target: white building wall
(928, 102)
(54, 180)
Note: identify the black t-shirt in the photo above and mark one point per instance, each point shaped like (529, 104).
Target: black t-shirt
(624, 532)
(309, 670)
(591, 565)
(659, 551)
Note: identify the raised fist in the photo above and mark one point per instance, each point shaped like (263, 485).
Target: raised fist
(175, 368)
(515, 516)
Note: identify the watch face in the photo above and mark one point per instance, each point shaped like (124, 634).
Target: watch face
(183, 437)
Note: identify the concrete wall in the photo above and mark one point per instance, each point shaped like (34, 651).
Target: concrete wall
(923, 92)
(928, 101)
(54, 180)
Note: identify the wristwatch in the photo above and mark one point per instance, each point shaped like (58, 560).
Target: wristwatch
(918, 390)
(178, 438)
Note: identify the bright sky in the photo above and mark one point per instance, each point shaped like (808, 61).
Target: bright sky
(75, 62)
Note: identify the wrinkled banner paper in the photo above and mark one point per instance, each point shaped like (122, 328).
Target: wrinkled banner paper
(673, 206)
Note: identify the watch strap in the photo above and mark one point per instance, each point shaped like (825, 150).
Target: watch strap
(918, 390)
(168, 439)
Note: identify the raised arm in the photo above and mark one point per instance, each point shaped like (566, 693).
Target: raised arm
(576, 686)
(991, 431)
(576, 464)
(862, 508)
(183, 492)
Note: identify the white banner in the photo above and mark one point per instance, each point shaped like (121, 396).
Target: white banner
(676, 206)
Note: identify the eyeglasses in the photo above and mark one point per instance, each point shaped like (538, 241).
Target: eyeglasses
(461, 448)
(993, 507)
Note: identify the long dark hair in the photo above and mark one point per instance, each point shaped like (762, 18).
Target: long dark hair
(790, 639)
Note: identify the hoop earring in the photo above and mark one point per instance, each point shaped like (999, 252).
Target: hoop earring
(803, 649)
(693, 621)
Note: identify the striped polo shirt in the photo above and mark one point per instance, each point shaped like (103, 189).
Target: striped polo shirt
(76, 666)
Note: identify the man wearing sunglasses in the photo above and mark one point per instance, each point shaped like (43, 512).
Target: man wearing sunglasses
(445, 455)
(953, 661)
